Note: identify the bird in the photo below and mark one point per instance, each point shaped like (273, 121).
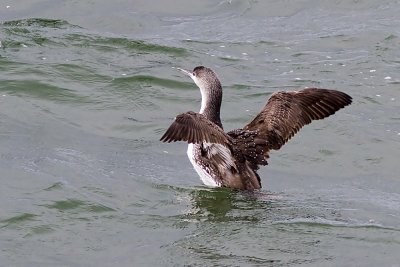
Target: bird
(231, 159)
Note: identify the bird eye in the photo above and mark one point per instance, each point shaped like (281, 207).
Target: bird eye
(194, 74)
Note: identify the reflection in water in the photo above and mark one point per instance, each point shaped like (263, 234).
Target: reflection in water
(224, 204)
(224, 218)
(262, 208)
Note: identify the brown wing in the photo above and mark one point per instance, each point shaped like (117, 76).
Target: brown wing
(286, 112)
(283, 116)
(194, 128)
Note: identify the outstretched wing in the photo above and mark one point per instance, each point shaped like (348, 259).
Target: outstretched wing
(194, 128)
(283, 116)
(214, 143)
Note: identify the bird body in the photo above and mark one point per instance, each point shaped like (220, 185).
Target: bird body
(232, 159)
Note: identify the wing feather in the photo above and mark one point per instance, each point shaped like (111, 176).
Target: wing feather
(284, 114)
(287, 112)
(193, 127)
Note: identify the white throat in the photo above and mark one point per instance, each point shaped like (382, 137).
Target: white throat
(204, 100)
(204, 96)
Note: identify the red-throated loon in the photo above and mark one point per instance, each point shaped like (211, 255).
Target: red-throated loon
(232, 159)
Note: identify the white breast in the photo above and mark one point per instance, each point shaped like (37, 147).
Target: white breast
(205, 177)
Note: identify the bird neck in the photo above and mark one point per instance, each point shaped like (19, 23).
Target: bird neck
(211, 99)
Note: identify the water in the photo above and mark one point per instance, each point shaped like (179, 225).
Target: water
(87, 89)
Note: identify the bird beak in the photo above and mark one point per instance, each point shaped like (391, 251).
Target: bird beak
(189, 73)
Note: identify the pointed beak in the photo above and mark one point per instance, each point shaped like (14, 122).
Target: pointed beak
(189, 73)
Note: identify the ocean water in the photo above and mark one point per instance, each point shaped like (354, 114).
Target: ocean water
(87, 88)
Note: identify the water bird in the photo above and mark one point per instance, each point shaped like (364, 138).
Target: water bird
(232, 159)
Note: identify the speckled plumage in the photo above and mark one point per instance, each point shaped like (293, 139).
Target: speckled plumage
(232, 159)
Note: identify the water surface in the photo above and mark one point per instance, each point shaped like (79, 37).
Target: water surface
(88, 87)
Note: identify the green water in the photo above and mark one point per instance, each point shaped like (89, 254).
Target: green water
(88, 87)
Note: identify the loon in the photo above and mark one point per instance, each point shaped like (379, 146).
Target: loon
(232, 159)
